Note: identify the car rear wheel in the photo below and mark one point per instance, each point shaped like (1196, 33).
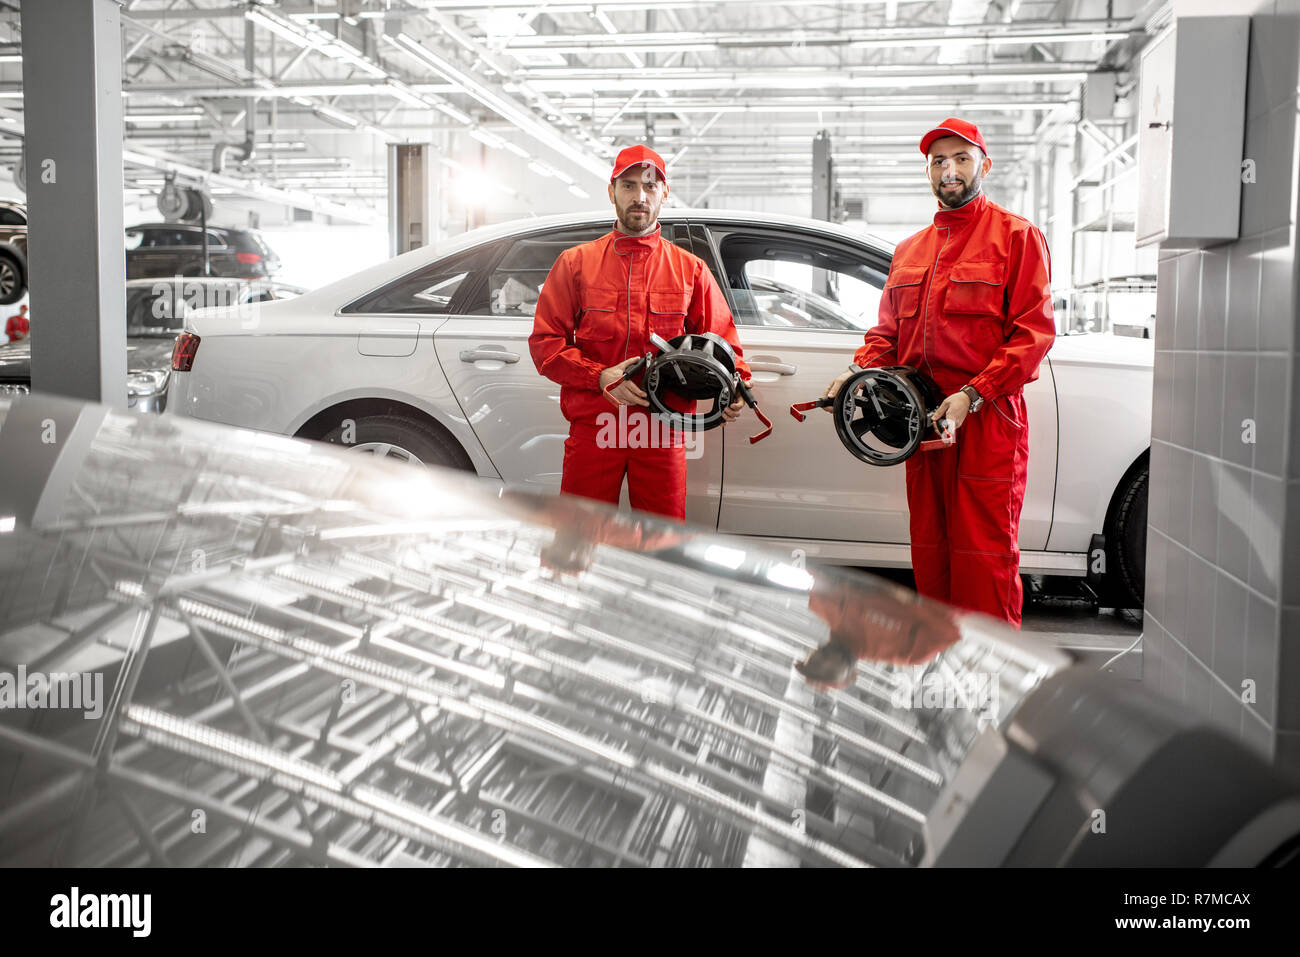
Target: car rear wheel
(1126, 539)
(402, 439)
(12, 286)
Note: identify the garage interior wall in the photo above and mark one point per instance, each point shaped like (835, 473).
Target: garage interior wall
(1223, 552)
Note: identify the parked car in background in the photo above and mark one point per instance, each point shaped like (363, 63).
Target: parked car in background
(425, 358)
(161, 250)
(13, 251)
(155, 313)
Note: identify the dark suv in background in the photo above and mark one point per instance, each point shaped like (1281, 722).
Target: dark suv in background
(155, 313)
(13, 251)
(160, 250)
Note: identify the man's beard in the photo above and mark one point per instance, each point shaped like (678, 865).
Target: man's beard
(647, 227)
(956, 200)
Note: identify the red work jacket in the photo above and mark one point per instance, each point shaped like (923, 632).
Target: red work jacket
(601, 301)
(967, 302)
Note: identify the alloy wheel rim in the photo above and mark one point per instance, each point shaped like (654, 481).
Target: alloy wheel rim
(387, 450)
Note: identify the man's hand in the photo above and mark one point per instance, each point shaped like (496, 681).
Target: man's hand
(625, 393)
(732, 412)
(837, 383)
(953, 408)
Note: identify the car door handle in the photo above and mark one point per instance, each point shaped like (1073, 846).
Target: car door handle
(780, 368)
(496, 354)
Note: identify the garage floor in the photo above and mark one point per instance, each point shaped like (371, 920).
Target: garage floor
(1095, 636)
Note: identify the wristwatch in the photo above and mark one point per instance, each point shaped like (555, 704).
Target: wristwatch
(976, 400)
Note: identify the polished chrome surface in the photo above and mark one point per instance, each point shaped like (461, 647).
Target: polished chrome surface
(335, 659)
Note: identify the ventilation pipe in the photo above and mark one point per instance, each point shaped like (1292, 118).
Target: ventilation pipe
(248, 147)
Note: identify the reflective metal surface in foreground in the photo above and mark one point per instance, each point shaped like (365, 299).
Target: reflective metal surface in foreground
(307, 656)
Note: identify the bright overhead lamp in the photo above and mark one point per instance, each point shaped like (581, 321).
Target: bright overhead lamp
(408, 96)
(458, 115)
(487, 139)
(11, 58)
(338, 116)
(579, 192)
(562, 176)
(516, 149)
(990, 39)
(541, 169)
(1056, 37)
(283, 30)
(163, 117)
(337, 51)
(502, 25)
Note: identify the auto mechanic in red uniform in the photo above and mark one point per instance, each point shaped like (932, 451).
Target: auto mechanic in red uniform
(597, 309)
(968, 303)
(18, 327)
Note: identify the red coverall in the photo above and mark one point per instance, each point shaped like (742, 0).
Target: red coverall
(599, 304)
(18, 326)
(968, 303)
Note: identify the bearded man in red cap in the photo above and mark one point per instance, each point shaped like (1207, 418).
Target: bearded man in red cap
(968, 303)
(597, 309)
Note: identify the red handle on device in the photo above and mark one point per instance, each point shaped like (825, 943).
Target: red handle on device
(799, 408)
(748, 395)
(630, 371)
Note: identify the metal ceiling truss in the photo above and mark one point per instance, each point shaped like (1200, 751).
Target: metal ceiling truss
(574, 81)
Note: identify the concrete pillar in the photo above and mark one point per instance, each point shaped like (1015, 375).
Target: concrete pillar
(72, 108)
(412, 219)
(823, 177)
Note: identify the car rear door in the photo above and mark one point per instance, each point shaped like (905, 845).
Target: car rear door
(513, 410)
(150, 252)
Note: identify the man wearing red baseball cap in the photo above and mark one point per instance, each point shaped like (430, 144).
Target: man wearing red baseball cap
(968, 302)
(597, 309)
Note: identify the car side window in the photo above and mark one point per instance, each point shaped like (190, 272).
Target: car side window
(515, 283)
(792, 282)
(11, 217)
(149, 239)
(171, 237)
(430, 291)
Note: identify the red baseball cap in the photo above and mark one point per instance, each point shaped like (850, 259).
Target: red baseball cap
(639, 155)
(954, 127)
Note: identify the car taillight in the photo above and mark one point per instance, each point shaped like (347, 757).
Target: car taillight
(187, 344)
(248, 259)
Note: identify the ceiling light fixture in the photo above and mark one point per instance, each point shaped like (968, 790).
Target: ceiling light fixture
(487, 139)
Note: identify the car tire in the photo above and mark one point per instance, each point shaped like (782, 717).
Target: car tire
(406, 440)
(12, 284)
(1126, 540)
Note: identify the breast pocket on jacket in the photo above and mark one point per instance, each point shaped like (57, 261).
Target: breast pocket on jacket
(976, 289)
(974, 303)
(599, 325)
(903, 287)
(668, 310)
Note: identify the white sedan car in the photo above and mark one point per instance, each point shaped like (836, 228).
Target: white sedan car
(425, 357)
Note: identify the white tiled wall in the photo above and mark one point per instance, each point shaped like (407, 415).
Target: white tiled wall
(1223, 562)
